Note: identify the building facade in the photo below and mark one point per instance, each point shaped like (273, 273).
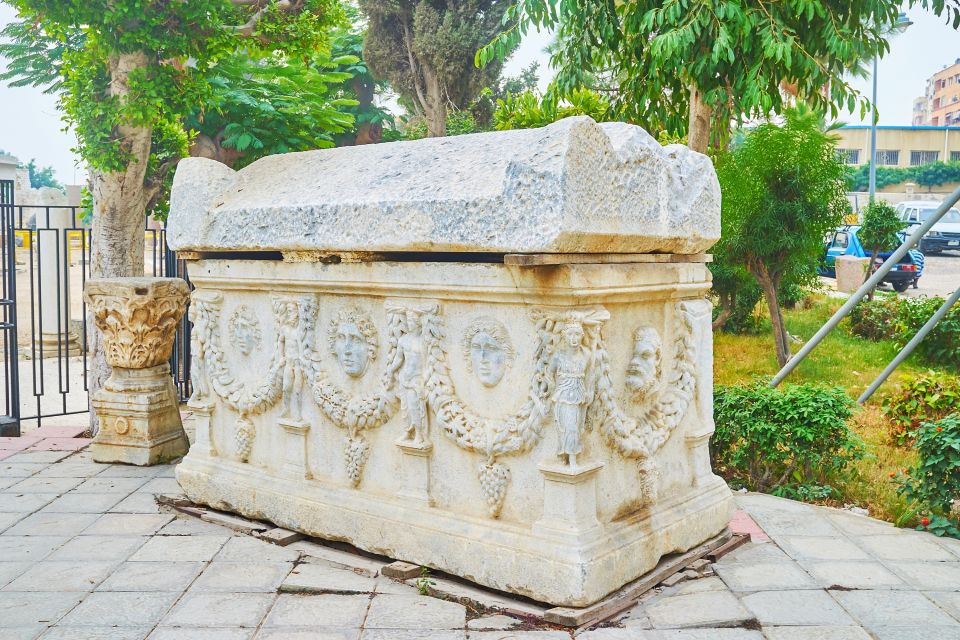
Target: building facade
(900, 146)
(941, 105)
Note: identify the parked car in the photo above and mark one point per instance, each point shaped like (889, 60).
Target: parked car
(844, 242)
(944, 235)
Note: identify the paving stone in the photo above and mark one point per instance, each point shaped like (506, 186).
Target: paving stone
(21, 633)
(219, 610)
(821, 548)
(7, 520)
(60, 444)
(949, 601)
(121, 609)
(854, 575)
(322, 554)
(29, 548)
(127, 471)
(158, 486)
(287, 633)
(917, 632)
(152, 576)
(705, 634)
(179, 549)
(13, 502)
(247, 549)
(11, 469)
(493, 623)
(190, 526)
(390, 634)
(96, 633)
(167, 470)
(128, 524)
(100, 548)
(62, 576)
(19, 609)
(280, 536)
(389, 585)
(755, 552)
(83, 503)
(9, 482)
(315, 578)
(70, 469)
(765, 576)
(37, 484)
(241, 577)
(701, 585)
(929, 576)
(136, 503)
(199, 633)
(17, 443)
(414, 612)
(880, 609)
(905, 547)
(46, 523)
(327, 610)
(805, 607)
(42, 457)
(707, 609)
(60, 430)
(815, 633)
(100, 484)
(10, 570)
(861, 525)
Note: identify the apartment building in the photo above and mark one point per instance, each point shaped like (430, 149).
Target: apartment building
(940, 106)
(900, 146)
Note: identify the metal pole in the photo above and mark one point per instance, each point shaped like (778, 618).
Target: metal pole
(873, 137)
(865, 288)
(908, 349)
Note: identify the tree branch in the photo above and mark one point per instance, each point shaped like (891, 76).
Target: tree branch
(414, 71)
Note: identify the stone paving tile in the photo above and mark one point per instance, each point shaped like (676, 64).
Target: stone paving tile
(98, 548)
(137, 503)
(29, 548)
(707, 609)
(41, 457)
(69, 469)
(917, 632)
(242, 577)
(877, 610)
(286, 633)
(99, 484)
(854, 575)
(25, 609)
(414, 612)
(815, 633)
(62, 576)
(9, 482)
(96, 633)
(128, 471)
(152, 576)
(121, 609)
(194, 633)
(60, 444)
(390, 634)
(929, 576)
(11, 469)
(19, 443)
(821, 548)
(852, 524)
(949, 601)
(37, 484)
(128, 524)
(83, 503)
(326, 610)
(179, 549)
(190, 526)
(10, 570)
(493, 623)
(219, 610)
(45, 523)
(755, 552)
(7, 520)
(789, 608)
(168, 486)
(315, 578)
(21, 633)
(906, 546)
(765, 576)
(247, 549)
(699, 586)
(13, 502)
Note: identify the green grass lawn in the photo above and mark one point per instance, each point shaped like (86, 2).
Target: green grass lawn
(845, 360)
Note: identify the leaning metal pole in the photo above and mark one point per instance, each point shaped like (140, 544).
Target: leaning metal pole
(872, 282)
(910, 346)
(873, 138)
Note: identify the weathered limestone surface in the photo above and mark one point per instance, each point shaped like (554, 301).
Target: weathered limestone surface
(137, 406)
(574, 186)
(538, 429)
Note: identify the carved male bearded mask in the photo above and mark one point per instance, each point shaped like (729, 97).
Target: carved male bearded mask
(644, 368)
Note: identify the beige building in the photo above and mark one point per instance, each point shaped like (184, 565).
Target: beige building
(940, 106)
(900, 146)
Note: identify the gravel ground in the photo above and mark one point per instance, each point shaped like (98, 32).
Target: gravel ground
(941, 275)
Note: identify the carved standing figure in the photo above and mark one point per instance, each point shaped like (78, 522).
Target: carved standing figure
(407, 365)
(569, 369)
(290, 345)
(199, 345)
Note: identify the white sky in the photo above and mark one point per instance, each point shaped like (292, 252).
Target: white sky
(30, 126)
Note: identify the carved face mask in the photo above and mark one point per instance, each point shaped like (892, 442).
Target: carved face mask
(573, 335)
(488, 358)
(351, 348)
(643, 370)
(244, 336)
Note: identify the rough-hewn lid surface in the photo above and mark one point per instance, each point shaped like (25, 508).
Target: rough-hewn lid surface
(572, 187)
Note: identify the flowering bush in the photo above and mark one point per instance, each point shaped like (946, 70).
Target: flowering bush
(934, 481)
(923, 398)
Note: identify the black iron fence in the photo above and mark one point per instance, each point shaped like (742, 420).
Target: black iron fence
(46, 255)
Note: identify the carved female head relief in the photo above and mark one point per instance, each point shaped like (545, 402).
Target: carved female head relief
(353, 340)
(487, 350)
(244, 330)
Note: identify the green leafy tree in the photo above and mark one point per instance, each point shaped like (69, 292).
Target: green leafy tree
(879, 230)
(698, 65)
(782, 191)
(425, 49)
(42, 177)
(529, 109)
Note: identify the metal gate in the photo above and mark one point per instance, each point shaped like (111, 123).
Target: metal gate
(45, 257)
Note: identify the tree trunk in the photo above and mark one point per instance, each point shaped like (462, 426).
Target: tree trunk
(698, 130)
(869, 272)
(435, 109)
(781, 338)
(119, 204)
(727, 303)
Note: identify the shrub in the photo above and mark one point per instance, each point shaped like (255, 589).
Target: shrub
(791, 441)
(923, 398)
(875, 319)
(934, 481)
(899, 319)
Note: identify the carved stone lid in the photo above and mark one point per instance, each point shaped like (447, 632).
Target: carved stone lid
(572, 187)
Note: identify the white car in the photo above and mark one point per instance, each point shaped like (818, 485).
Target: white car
(944, 235)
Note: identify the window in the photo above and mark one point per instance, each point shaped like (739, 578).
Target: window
(918, 158)
(841, 240)
(848, 156)
(888, 157)
(955, 156)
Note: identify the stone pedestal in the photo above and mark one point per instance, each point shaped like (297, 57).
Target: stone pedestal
(415, 463)
(295, 444)
(202, 439)
(137, 406)
(851, 273)
(569, 499)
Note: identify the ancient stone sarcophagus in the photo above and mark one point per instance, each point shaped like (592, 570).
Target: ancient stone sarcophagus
(488, 354)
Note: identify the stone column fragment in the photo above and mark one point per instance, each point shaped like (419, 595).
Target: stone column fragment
(137, 406)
